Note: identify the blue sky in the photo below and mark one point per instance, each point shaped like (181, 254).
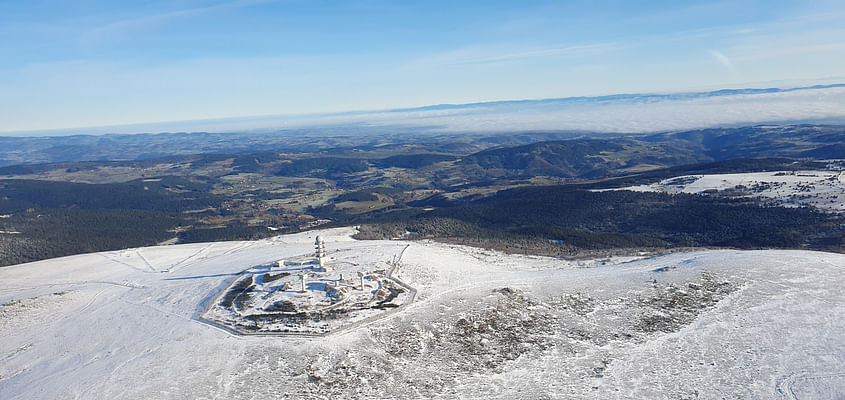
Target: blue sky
(67, 64)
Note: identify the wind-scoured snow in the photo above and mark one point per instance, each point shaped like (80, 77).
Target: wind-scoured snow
(708, 324)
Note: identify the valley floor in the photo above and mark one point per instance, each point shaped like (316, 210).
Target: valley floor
(707, 324)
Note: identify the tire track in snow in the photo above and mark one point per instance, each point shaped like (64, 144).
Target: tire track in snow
(90, 302)
(179, 265)
(125, 284)
(115, 259)
(147, 262)
(201, 255)
(784, 386)
(66, 349)
(238, 248)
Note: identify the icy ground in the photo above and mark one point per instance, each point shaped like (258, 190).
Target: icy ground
(709, 324)
(824, 189)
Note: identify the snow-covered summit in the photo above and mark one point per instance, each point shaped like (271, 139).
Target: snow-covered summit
(711, 324)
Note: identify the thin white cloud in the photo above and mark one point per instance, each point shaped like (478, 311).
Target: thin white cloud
(492, 54)
(112, 29)
(792, 50)
(743, 31)
(721, 58)
(535, 53)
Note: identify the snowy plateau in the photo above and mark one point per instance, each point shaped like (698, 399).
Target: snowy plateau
(822, 189)
(707, 324)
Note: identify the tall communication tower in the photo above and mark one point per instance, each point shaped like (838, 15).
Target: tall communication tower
(320, 253)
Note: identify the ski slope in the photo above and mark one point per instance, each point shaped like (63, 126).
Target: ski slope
(708, 324)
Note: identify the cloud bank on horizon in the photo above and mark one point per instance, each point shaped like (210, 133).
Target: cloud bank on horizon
(92, 63)
(631, 113)
(623, 113)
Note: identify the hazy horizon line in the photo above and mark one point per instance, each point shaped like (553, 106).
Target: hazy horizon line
(321, 120)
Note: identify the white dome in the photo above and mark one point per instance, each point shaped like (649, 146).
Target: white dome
(319, 239)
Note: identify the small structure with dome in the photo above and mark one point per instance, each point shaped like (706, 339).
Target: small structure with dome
(320, 254)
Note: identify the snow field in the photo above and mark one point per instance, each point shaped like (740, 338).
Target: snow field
(824, 189)
(709, 324)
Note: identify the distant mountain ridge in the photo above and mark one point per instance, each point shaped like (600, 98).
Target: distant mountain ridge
(644, 112)
(621, 97)
(563, 154)
(592, 158)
